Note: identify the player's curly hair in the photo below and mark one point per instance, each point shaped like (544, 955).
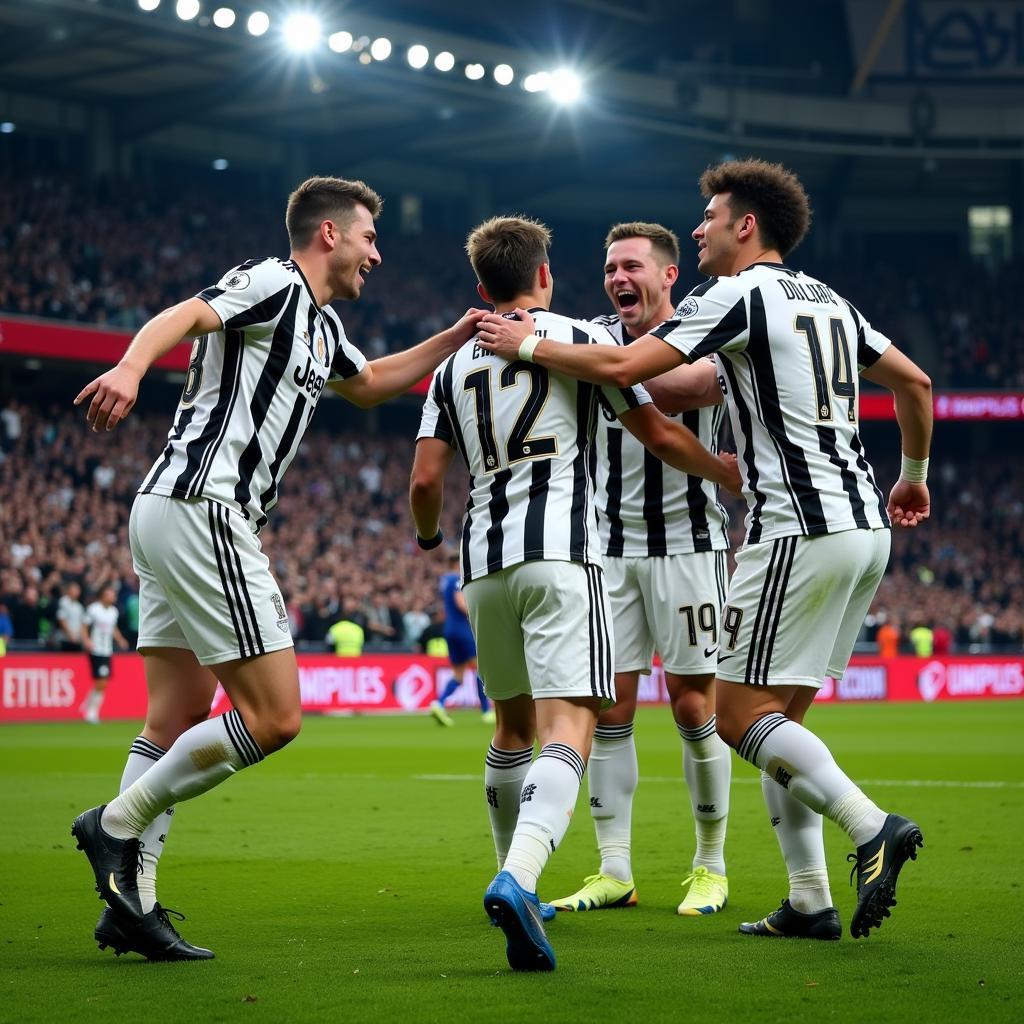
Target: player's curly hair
(663, 241)
(505, 253)
(320, 199)
(770, 192)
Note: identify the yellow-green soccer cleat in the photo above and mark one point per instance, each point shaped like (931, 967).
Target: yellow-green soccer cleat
(489, 717)
(439, 714)
(599, 892)
(708, 893)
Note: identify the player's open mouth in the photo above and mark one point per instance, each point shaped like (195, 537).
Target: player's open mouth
(627, 300)
(364, 272)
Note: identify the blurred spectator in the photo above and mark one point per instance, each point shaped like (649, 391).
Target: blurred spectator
(922, 640)
(347, 633)
(70, 618)
(6, 629)
(888, 639)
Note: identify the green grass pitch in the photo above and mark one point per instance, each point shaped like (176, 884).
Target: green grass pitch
(342, 880)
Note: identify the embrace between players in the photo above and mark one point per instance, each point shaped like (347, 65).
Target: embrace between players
(592, 537)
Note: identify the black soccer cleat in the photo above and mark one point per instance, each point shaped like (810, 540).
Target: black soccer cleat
(787, 923)
(877, 866)
(116, 863)
(153, 936)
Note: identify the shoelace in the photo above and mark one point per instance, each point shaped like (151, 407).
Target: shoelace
(131, 857)
(855, 860)
(164, 915)
(700, 878)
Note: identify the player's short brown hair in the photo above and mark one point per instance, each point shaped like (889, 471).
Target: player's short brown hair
(506, 252)
(663, 241)
(770, 192)
(320, 199)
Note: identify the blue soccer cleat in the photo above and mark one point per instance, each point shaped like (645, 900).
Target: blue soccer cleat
(517, 913)
(547, 912)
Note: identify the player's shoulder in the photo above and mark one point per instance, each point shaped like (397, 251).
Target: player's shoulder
(260, 274)
(571, 330)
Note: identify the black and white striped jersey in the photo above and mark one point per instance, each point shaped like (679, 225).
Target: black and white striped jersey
(251, 389)
(101, 620)
(644, 507)
(527, 435)
(788, 349)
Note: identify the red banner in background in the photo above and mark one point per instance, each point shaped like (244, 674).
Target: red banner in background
(51, 687)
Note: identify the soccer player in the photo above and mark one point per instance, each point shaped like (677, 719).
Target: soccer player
(267, 344)
(99, 633)
(663, 538)
(531, 558)
(817, 539)
(458, 637)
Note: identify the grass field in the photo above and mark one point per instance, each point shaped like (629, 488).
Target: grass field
(342, 880)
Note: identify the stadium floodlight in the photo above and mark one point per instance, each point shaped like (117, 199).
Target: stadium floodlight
(6, 127)
(417, 56)
(339, 42)
(149, 5)
(444, 61)
(503, 74)
(301, 32)
(380, 48)
(223, 17)
(186, 9)
(257, 23)
(537, 82)
(565, 86)
(220, 164)
(474, 72)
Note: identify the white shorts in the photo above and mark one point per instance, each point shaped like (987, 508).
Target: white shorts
(543, 628)
(669, 603)
(796, 605)
(204, 583)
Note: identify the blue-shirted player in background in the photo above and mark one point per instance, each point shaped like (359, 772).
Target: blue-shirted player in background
(461, 645)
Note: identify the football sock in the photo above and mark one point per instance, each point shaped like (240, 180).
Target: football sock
(453, 685)
(141, 757)
(707, 766)
(504, 773)
(200, 758)
(94, 701)
(545, 808)
(613, 780)
(796, 759)
(801, 840)
(485, 704)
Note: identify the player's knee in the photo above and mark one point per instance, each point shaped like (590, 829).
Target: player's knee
(728, 728)
(691, 709)
(272, 732)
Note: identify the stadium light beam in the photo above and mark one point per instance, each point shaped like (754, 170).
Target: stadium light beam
(223, 17)
(537, 82)
(565, 86)
(301, 32)
(444, 61)
(339, 42)
(257, 23)
(186, 9)
(417, 56)
(380, 48)
(474, 72)
(149, 5)
(503, 74)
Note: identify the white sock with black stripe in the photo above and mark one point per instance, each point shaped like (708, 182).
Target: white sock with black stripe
(504, 774)
(613, 779)
(202, 757)
(707, 767)
(141, 757)
(545, 809)
(801, 840)
(796, 759)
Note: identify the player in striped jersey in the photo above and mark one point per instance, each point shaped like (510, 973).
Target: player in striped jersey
(817, 529)
(531, 559)
(267, 344)
(663, 538)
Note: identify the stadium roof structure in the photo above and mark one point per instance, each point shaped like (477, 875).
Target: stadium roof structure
(667, 88)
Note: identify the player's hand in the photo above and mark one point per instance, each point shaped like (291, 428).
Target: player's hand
(909, 504)
(465, 327)
(113, 397)
(733, 482)
(503, 336)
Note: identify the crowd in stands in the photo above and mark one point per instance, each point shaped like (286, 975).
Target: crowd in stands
(341, 539)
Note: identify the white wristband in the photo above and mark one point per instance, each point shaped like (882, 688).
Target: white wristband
(526, 347)
(914, 471)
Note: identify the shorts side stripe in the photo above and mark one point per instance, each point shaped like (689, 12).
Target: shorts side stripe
(761, 637)
(778, 611)
(224, 579)
(226, 547)
(592, 626)
(242, 583)
(602, 610)
(750, 675)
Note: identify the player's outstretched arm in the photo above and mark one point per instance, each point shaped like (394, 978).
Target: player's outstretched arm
(113, 393)
(609, 365)
(909, 500)
(690, 386)
(391, 376)
(426, 485)
(680, 448)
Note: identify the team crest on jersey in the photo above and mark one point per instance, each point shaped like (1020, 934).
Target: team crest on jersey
(319, 347)
(236, 282)
(687, 308)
